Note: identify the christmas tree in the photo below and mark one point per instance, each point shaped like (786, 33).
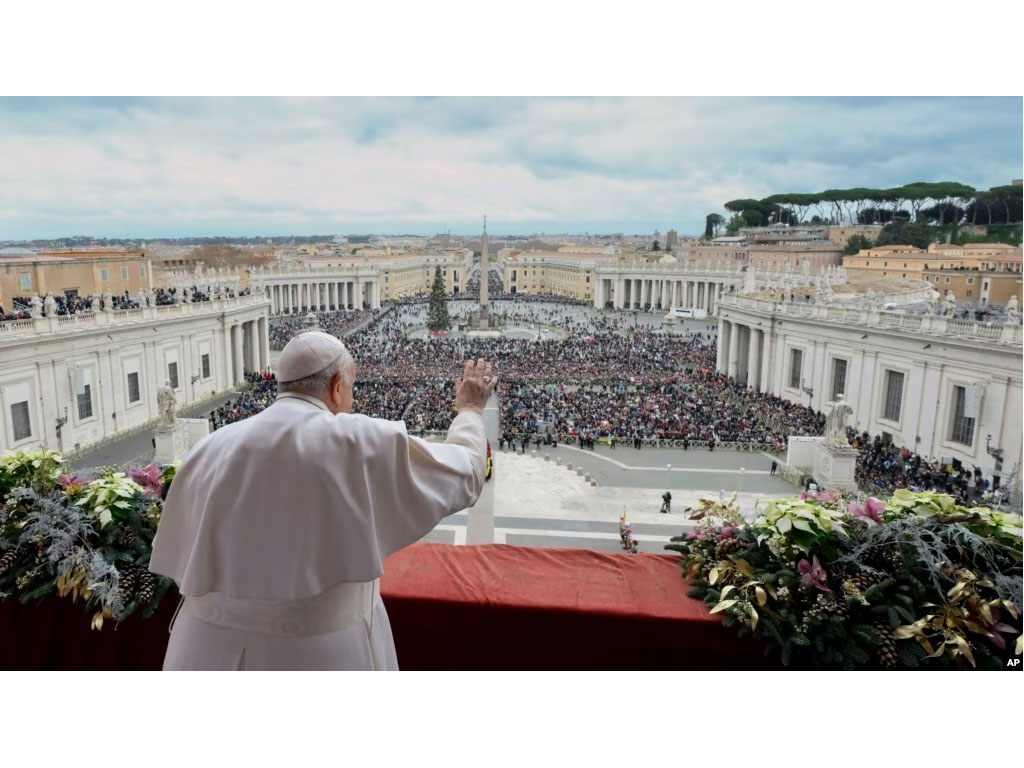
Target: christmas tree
(437, 313)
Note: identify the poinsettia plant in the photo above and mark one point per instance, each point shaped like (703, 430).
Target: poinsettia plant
(829, 581)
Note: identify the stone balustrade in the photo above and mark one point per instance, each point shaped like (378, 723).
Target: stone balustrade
(888, 319)
(122, 317)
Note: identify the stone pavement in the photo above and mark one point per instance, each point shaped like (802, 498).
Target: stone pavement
(540, 503)
(137, 448)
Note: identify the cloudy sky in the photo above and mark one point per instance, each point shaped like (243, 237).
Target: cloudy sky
(176, 167)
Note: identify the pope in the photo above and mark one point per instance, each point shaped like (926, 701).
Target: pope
(275, 528)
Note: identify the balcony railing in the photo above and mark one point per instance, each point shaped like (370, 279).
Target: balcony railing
(123, 317)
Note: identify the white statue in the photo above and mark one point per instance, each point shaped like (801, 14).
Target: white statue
(949, 304)
(50, 305)
(931, 302)
(835, 423)
(1012, 314)
(36, 306)
(166, 404)
(108, 301)
(825, 294)
(94, 303)
(188, 296)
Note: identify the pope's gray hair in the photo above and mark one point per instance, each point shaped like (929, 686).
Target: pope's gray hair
(320, 382)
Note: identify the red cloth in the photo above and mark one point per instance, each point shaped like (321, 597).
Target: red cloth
(503, 607)
(453, 607)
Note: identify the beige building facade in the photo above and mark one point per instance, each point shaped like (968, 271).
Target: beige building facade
(911, 262)
(71, 273)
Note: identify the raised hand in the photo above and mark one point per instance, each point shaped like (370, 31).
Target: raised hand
(475, 386)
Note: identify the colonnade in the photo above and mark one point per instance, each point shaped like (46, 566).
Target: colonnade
(741, 353)
(246, 348)
(657, 293)
(322, 295)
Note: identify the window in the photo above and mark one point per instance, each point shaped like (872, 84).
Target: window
(969, 293)
(133, 388)
(85, 403)
(962, 426)
(795, 363)
(984, 286)
(947, 281)
(172, 374)
(142, 270)
(26, 281)
(104, 276)
(970, 281)
(21, 421)
(838, 378)
(124, 273)
(206, 366)
(893, 395)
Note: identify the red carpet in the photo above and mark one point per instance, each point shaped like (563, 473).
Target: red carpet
(503, 607)
(488, 607)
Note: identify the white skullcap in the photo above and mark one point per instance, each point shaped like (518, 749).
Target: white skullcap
(306, 354)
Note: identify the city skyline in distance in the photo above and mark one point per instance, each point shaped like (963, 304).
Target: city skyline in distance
(154, 168)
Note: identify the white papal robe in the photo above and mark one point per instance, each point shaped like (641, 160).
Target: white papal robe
(275, 529)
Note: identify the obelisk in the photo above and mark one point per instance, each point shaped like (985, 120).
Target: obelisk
(483, 277)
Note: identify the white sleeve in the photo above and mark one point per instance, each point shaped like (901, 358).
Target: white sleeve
(431, 481)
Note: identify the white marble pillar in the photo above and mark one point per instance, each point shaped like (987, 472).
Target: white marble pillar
(722, 346)
(754, 359)
(264, 334)
(254, 346)
(734, 349)
(237, 352)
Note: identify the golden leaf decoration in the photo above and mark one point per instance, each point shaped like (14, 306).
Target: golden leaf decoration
(723, 605)
(753, 616)
(762, 598)
(727, 590)
(965, 649)
(713, 576)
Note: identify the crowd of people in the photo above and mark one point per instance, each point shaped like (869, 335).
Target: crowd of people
(21, 307)
(610, 379)
(883, 467)
(283, 328)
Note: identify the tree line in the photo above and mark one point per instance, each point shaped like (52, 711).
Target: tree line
(940, 203)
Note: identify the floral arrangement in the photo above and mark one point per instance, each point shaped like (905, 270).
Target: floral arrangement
(834, 582)
(86, 538)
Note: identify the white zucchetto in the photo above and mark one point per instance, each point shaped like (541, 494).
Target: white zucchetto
(306, 354)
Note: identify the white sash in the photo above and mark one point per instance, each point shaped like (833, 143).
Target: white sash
(339, 607)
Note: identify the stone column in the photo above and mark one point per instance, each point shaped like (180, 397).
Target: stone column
(254, 346)
(723, 346)
(734, 350)
(264, 330)
(711, 298)
(754, 359)
(236, 344)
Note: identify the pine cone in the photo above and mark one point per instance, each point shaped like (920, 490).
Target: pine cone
(127, 538)
(887, 657)
(11, 557)
(147, 586)
(887, 558)
(863, 581)
(725, 547)
(127, 583)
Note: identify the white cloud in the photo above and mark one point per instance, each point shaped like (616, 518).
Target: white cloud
(175, 166)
